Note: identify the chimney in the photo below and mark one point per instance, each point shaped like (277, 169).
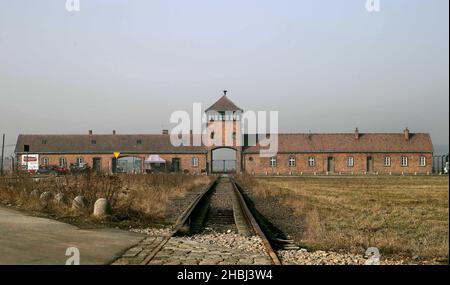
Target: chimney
(90, 132)
(357, 133)
(406, 133)
(114, 132)
(165, 132)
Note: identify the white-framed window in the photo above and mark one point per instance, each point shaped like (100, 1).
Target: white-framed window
(44, 161)
(387, 161)
(404, 161)
(311, 161)
(62, 161)
(80, 160)
(291, 161)
(422, 161)
(273, 161)
(195, 161)
(350, 161)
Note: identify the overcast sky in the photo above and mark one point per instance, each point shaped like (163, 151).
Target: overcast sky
(326, 66)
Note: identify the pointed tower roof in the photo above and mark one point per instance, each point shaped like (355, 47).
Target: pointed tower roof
(224, 104)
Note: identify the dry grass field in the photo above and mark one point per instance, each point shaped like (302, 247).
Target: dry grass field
(402, 216)
(135, 199)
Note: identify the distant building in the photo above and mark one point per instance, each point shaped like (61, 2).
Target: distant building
(297, 153)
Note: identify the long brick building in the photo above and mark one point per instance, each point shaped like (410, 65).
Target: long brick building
(310, 153)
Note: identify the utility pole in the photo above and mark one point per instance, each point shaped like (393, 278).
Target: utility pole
(3, 153)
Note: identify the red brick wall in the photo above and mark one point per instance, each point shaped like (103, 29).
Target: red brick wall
(260, 165)
(106, 160)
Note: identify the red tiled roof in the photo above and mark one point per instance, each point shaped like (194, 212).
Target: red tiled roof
(151, 143)
(224, 104)
(374, 142)
(287, 143)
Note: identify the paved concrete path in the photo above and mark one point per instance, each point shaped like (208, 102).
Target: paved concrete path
(31, 240)
(182, 251)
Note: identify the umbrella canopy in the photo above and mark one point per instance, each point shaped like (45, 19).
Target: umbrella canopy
(154, 158)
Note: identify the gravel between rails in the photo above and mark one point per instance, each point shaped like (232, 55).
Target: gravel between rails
(220, 215)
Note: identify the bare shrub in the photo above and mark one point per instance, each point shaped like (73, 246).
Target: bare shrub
(132, 197)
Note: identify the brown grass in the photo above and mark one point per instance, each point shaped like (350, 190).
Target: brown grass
(405, 216)
(134, 198)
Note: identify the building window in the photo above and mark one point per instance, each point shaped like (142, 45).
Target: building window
(62, 161)
(234, 135)
(44, 141)
(387, 161)
(80, 160)
(404, 161)
(212, 135)
(195, 161)
(44, 161)
(291, 161)
(422, 160)
(250, 158)
(273, 161)
(350, 161)
(311, 161)
(139, 142)
(93, 142)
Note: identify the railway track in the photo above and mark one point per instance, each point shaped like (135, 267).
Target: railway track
(219, 211)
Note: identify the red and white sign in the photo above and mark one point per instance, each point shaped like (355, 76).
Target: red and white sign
(30, 161)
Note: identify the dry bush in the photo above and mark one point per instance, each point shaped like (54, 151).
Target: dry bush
(24, 191)
(133, 197)
(150, 194)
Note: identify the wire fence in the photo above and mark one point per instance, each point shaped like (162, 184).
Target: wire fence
(440, 164)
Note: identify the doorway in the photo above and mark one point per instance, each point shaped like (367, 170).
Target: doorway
(176, 163)
(223, 160)
(330, 164)
(369, 164)
(97, 164)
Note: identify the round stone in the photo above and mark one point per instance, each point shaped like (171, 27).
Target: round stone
(46, 196)
(60, 198)
(79, 203)
(102, 208)
(35, 193)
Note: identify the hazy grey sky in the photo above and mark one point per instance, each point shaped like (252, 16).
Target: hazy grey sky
(328, 66)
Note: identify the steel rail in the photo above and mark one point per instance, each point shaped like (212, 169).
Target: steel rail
(181, 221)
(251, 221)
